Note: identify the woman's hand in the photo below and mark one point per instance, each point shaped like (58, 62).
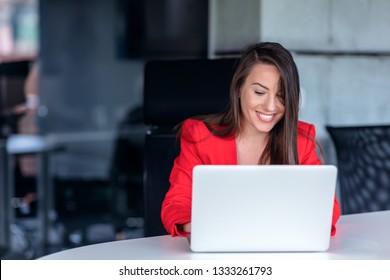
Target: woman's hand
(185, 227)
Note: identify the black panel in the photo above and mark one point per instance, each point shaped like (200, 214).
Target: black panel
(176, 90)
(161, 28)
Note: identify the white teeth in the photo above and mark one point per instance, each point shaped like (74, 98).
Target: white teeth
(265, 117)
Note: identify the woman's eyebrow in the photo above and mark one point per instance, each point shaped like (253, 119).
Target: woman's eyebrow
(263, 86)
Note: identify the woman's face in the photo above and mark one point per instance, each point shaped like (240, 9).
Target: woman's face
(261, 99)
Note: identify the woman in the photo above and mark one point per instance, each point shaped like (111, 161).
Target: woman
(259, 127)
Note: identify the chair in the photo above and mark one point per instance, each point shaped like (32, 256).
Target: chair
(363, 156)
(173, 91)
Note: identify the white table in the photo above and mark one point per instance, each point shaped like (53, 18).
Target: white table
(359, 236)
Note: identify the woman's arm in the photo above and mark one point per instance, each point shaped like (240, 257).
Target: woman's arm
(176, 207)
(310, 157)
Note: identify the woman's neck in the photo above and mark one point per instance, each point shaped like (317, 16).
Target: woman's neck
(250, 146)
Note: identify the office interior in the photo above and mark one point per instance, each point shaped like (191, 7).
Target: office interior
(92, 56)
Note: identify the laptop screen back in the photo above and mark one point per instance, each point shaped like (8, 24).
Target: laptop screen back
(249, 208)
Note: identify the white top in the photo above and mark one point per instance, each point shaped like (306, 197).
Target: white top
(359, 236)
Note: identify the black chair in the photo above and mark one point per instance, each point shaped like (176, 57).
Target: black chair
(363, 156)
(173, 91)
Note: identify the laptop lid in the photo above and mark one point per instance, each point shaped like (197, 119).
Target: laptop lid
(249, 208)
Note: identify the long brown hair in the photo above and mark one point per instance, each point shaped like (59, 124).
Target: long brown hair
(282, 144)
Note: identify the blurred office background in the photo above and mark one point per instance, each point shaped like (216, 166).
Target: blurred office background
(92, 54)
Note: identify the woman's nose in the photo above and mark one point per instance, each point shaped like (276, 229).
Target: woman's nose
(271, 103)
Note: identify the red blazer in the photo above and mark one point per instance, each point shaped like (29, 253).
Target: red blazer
(199, 146)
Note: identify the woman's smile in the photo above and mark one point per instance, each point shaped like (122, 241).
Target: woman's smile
(265, 117)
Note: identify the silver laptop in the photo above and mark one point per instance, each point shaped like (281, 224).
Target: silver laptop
(262, 208)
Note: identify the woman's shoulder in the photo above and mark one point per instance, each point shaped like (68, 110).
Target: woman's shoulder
(193, 124)
(306, 129)
(194, 129)
(190, 122)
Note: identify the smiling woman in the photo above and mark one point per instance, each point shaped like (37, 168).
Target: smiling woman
(259, 127)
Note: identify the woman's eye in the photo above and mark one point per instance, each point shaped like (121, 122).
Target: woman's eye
(259, 92)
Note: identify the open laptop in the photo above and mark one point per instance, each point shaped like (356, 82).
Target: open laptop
(254, 208)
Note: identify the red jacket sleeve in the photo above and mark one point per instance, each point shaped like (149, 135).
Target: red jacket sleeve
(176, 207)
(308, 155)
